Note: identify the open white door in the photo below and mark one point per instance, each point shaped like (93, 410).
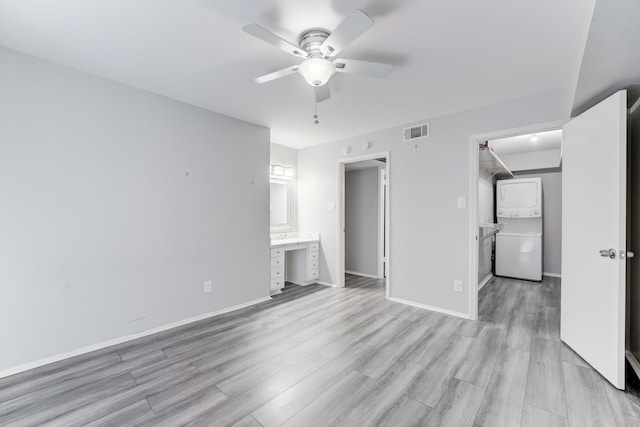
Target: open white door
(594, 153)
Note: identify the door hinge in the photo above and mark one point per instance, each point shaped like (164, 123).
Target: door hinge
(627, 254)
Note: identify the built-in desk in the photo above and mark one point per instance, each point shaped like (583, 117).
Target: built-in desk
(304, 271)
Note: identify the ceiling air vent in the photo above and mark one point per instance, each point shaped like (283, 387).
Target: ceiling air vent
(415, 132)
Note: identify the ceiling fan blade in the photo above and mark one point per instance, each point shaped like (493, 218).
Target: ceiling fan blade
(274, 40)
(352, 27)
(323, 92)
(371, 69)
(276, 74)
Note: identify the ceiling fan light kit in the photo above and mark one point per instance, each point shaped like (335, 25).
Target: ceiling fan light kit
(317, 71)
(317, 46)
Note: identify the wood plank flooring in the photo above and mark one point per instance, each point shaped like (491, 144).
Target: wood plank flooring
(319, 356)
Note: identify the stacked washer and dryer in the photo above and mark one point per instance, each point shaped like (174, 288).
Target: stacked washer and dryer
(518, 250)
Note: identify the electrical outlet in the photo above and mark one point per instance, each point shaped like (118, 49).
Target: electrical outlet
(207, 286)
(457, 285)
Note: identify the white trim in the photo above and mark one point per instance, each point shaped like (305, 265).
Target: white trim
(381, 220)
(473, 197)
(544, 273)
(355, 273)
(485, 281)
(474, 167)
(387, 228)
(332, 285)
(341, 224)
(340, 191)
(429, 307)
(633, 362)
(120, 340)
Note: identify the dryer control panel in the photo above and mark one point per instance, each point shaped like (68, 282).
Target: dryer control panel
(510, 213)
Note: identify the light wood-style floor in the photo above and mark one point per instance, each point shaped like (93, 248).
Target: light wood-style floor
(325, 356)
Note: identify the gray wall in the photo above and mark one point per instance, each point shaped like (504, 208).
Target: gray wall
(284, 156)
(429, 235)
(611, 58)
(115, 206)
(361, 221)
(552, 220)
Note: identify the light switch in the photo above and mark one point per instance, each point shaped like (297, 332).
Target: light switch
(462, 203)
(331, 206)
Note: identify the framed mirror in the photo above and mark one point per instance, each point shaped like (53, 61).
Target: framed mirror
(280, 203)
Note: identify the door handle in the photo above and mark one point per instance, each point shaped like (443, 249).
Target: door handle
(611, 253)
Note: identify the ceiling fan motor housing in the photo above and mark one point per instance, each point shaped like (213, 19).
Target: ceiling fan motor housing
(311, 40)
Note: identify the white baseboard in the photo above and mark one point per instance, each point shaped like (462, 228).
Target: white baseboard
(356, 273)
(428, 307)
(544, 273)
(333, 285)
(485, 281)
(120, 340)
(633, 362)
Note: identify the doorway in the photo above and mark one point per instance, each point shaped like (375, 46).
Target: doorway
(535, 158)
(363, 226)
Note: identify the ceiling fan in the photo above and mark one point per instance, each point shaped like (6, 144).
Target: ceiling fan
(318, 47)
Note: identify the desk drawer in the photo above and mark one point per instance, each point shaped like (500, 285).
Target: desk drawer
(312, 264)
(314, 256)
(312, 274)
(277, 284)
(314, 246)
(277, 272)
(275, 252)
(277, 261)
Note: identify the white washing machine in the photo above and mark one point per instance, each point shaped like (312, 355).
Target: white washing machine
(519, 243)
(519, 255)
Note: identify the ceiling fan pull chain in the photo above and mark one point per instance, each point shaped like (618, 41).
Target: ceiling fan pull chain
(315, 116)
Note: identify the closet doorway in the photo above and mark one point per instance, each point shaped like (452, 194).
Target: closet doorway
(523, 153)
(363, 195)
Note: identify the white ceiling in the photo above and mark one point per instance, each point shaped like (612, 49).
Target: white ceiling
(529, 143)
(448, 55)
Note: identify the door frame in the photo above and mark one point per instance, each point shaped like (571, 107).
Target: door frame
(341, 209)
(382, 220)
(474, 169)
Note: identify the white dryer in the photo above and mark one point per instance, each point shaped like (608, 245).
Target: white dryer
(519, 244)
(519, 198)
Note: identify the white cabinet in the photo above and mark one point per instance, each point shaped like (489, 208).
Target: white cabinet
(313, 261)
(303, 275)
